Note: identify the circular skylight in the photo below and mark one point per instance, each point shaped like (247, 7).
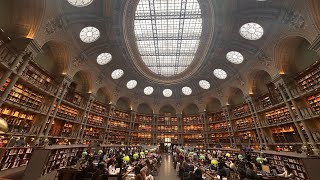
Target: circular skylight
(167, 92)
(104, 58)
(89, 34)
(220, 74)
(116, 74)
(80, 3)
(186, 90)
(251, 31)
(204, 84)
(148, 90)
(234, 57)
(132, 84)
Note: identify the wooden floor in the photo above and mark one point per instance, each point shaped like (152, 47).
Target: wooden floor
(167, 172)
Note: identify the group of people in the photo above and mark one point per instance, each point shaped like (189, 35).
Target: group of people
(114, 162)
(191, 165)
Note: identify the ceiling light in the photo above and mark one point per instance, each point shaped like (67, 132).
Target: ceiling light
(234, 57)
(251, 31)
(148, 90)
(204, 84)
(186, 91)
(167, 92)
(132, 84)
(104, 58)
(80, 3)
(220, 74)
(116, 74)
(89, 34)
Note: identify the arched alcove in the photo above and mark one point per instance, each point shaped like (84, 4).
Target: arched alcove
(123, 103)
(144, 109)
(293, 56)
(55, 58)
(103, 95)
(166, 109)
(213, 105)
(21, 18)
(314, 10)
(259, 82)
(236, 96)
(82, 82)
(190, 109)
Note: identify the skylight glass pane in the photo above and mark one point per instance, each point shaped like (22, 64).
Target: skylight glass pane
(116, 74)
(80, 3)
(168, 34)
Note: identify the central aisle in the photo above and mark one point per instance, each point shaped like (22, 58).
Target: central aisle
(167, 172)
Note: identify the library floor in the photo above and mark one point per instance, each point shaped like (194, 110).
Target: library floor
(167, 172)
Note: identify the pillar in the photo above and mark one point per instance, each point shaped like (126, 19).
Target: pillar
(227, 115)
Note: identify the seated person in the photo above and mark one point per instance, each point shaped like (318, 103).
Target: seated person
(197, 175)
(112, 168)
(288, 173)
(250, 173)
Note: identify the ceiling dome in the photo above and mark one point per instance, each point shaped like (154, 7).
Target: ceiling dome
(165, 38)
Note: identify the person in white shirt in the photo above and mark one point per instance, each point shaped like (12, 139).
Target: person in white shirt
(287, 174)
(112, 168)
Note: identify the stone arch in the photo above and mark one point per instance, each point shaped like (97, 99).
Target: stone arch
(123, 103)
(314, 6)
(167, 109)
(22, 18)
(190, 109)
(103, 95)
(235, 96)
(289, 52)
(144, 108)
(258, 81)
(213, 105)
(82, 81)
(55, 58)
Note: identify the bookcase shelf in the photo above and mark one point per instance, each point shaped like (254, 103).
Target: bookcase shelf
(240, 111)
(285, 134)
(27, 97)
(167, 120)
(98, 108)
(216, 117)
(219, 127)
(118, 125)
(310, 78)
(193, 138)
(248, 137)
(95, 119)
(167, 129)
(193, 128)
(244, 123)
(161, 137)
(314, 102)
(144, 119)
(278, 115)
(92, 133)
(192, 119)
(66, 112)
(217, 138)
(14, 157)
(120, 115)
(18, 121)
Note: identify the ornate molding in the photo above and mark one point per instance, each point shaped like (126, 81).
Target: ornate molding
(264, 59)
(80, 60)
(294, 19)
(53, 25)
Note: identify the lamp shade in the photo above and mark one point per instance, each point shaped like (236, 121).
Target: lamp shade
(202, 157)
(259, 160)
(214, 162)
(228, 154)
(135, 156)
(3, 126)
(126, 159)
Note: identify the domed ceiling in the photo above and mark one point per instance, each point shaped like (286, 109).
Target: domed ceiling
(171, 49)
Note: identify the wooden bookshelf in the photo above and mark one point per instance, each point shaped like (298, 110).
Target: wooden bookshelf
(118, 125)
(117, 136)
(167, 120)
(37, 76)
(285, 134)
(144, 118)
(98, 108)
(144, 127)
(13, 157)
(117, 114)
(314, 102)
(248, 137)
(18, 121)
(4, 85)
(193, 128)
(167, 129)
(244, 123)
(310, 78)
(241, 110)
(278, 115)
(193, 138)
(192, 119)
(216, 117)
(95, 119)
(92, 133)
(219, 127)
(27, 97)
(161, 137)
(222, 138)
(66, 112)
(265, 101)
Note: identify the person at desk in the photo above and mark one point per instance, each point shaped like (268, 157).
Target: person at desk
(250, 173)
(288, 173)
(112, 168)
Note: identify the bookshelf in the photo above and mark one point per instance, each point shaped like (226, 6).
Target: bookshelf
(216, 117)
(117, 136)
(4, 85)
(219, 127)
(36, 75)
(285, 134)
(161, 137)
(167, 129)
(248, 137)
(118, 125)
(27, 97)
(193, 128)
(240, 110)
(265, 101)
(117, 114)
(191, 119)
(167, 120)
(144, 119)
(95, 120)
(92, 133)
(13, 157)
(19, 121)
(66, 112)
(314, 102)
(244, 123)
(195, 138)
(98, 108)
(278, 115)
(220, 138)
(310, 78)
